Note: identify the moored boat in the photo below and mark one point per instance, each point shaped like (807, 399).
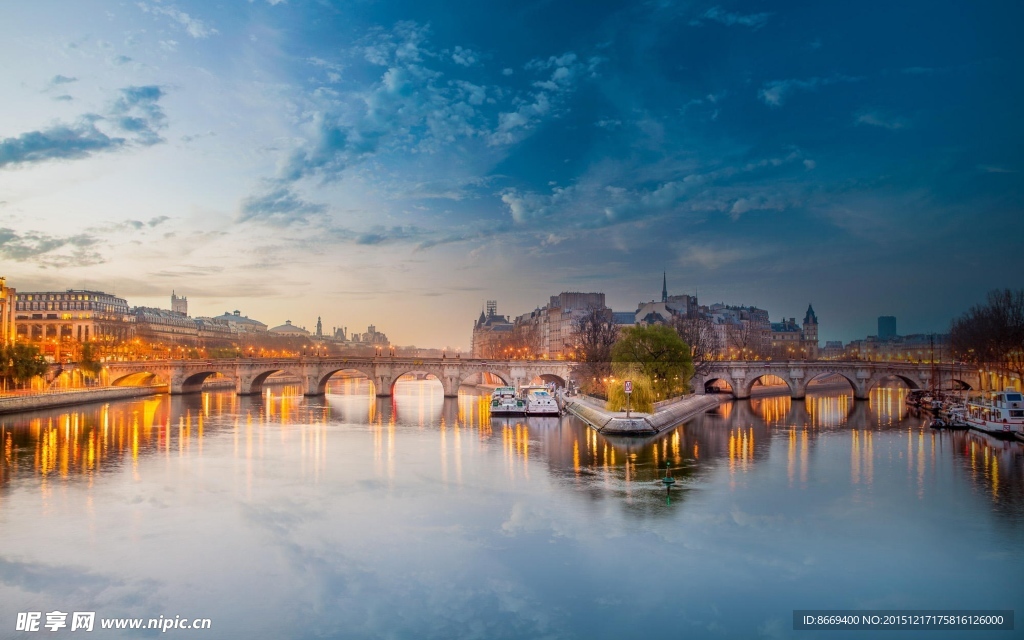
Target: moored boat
(539, 401)
(956, 416)
(505, 403)
(914, 397)
(999, 413)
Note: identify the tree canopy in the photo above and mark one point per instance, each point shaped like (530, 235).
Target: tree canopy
(660, 354)
(21, 362)
(992, 333)
(642, 398)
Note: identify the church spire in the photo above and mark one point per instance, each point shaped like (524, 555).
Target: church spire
(664, 287)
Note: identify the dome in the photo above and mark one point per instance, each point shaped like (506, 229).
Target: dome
(288, 329)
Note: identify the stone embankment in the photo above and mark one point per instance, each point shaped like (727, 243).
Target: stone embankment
(666, 415)
(33, 402)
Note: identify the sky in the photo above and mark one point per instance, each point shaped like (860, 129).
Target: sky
(400, 163)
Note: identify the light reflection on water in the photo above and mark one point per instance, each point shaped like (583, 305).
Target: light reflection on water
(417, 515)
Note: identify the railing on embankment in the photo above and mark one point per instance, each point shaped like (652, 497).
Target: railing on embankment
(17, 403)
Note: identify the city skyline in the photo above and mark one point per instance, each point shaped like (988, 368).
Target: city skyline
(400, 163)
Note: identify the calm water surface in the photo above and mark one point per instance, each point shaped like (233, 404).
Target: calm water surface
(419, 517)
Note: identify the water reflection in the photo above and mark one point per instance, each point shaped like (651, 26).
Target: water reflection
(736, 437)
(419, 516)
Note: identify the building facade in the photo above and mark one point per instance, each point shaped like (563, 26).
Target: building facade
(790, 341)
(60, 320)
(918, 347)
(886, 327)
(179, 305)
(239, 323)
(549, 330)
(371, 337)
(160, 326)
(7, 304)
(491, 332)
(289, 330)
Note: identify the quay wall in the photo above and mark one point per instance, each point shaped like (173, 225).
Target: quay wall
(665, 417)
(20, 403)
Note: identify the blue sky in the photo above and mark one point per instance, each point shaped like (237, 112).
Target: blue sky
(398, 163)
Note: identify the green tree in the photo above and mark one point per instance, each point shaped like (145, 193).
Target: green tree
(642, 398)
(660, 354)
(20, 363)
(89, 362)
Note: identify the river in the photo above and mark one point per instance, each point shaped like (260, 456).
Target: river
(348, 516)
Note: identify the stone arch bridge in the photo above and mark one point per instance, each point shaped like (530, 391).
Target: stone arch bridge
(862, 376)
(249, 374)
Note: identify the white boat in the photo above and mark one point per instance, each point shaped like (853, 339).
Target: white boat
(505, 403)
(956, 415)
(1000, 412)
(539, 401)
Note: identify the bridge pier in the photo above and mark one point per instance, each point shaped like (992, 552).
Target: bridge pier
(311, 385)
(383, 383)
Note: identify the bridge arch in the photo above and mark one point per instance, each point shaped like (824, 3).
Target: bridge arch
(193, 383)
(136, 379)
(325, 379)
(749, 385)
(824, 374)
(253, 384)
(430, 373)
(547, 378)
(719, 384)
(504, 376)
(879, 378)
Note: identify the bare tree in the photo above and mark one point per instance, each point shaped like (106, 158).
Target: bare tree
(993, 332)
(699, 333)
(522, 342)
(744, 341)
(593, 335)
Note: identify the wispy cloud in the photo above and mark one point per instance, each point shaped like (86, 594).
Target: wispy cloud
(991, 168)
(776, 92)
(881, 119)
(596, 201)
(49, 250)
(137, 111)
(193, 26)
(715, 256)
(465, 57)
(133, 119)
(60, 142)
(278, 207)
(423, 105)
(729, 18)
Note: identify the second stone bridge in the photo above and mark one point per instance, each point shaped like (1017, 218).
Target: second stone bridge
(249, 374)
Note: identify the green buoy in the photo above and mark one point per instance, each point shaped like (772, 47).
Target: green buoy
(668, 480)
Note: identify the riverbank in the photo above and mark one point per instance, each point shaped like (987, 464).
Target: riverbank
(666, 416)
(49, 400)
